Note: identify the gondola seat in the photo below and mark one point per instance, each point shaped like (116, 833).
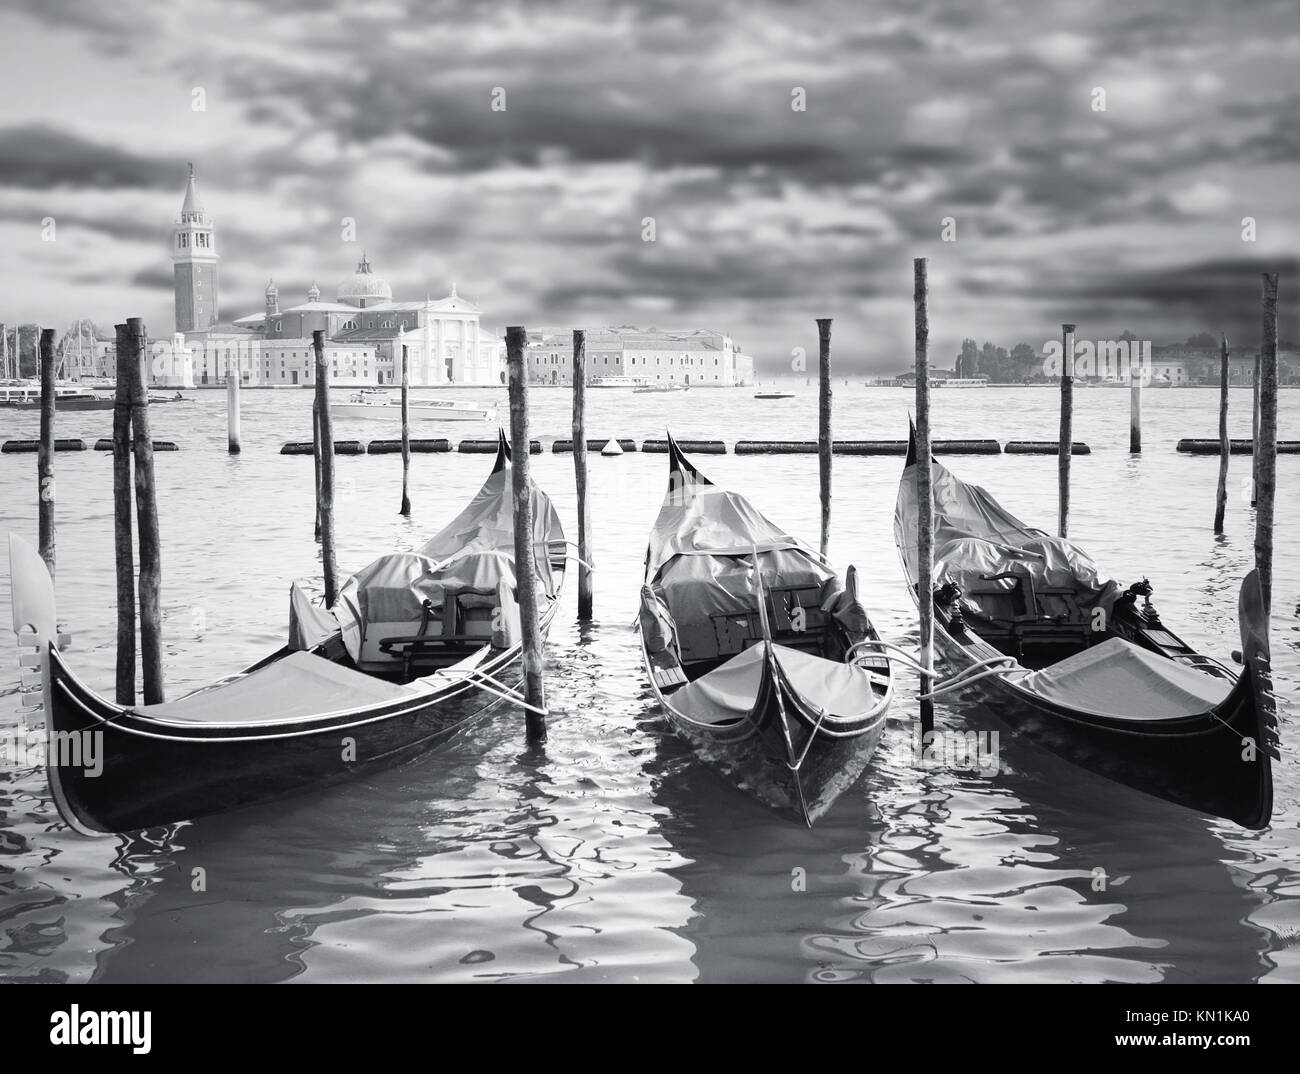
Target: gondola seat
(407, 609)
(1043, 590)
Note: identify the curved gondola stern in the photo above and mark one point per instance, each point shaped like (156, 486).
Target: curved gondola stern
(39, 640)
(1256, 685)
(503, 451)
(32, 589)
(64, 691)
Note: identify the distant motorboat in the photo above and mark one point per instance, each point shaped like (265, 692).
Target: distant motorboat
(649, 389)
(962, 382)
(617, 382)
(371, 403)
(774, 395)
(26, 395)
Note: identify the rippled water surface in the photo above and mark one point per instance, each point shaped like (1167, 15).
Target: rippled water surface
(609, 854)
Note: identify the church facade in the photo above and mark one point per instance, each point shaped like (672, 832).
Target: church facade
(445, 341)
(367, 330)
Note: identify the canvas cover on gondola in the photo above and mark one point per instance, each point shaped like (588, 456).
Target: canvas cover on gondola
(488, 522)
(698, 518)
(301, 686)
(702, 586)
(702, 549)
(473, 554)
(729, 692)
(1120, 679)
(975, 537)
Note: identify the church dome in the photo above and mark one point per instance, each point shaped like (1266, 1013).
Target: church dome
(364, 286)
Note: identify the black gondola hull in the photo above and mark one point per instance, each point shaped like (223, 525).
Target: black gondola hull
(781, 749)
(753, 756)
(1216, 762)
(148, 773)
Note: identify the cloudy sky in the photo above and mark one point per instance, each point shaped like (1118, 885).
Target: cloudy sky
(765, 216)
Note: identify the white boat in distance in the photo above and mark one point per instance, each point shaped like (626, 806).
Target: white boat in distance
(617, 382)
(649, 389)
(963, 382)
(376, 403)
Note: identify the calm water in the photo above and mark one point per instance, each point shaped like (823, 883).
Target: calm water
(609, 855)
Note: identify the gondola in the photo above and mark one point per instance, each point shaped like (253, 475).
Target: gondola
(760, 656)
(417, 646)
(1085, 667)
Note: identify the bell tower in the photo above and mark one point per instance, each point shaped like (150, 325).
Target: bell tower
(194, 264)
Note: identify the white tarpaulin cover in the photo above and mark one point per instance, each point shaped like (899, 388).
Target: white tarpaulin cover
(728, 692)
(309, 625)
(296, 687)
(1048, 561)
(488, 522)
(701, 555)
(474, 554)
(702, 519)
(1119, 678)
(699, 586)
(974, 535)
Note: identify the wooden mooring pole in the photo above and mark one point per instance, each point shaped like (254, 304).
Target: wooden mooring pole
(406, 434)
(1135, 410)
(315, 451)
(123, 544)
(824, 443)
(580, 473)
(924, 491)
(1221, 495)
(146, 514)
(325, 452)
(45, 453)
(1067, 431)
(232, 410)
(525, 567)
(1266, 444)
(1254, 435)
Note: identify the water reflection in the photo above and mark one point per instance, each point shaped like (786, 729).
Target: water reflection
(612, 855)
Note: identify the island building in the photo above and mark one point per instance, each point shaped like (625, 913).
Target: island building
(699, 358)
(366, 329)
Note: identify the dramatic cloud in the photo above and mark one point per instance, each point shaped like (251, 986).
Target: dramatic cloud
(40, 157)
(793, 159)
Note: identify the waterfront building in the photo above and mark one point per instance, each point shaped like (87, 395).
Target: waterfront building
(699, 358)
(446, 342)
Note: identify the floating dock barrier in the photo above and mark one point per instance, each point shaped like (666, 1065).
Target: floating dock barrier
(106, 444)
(697, 447)
(1235, 447)
(418, 447)
(1044, 447)
(592, 445)
(341, 447)
(867, 447)
(14, 447)
(489, 447)
(966, 447)
(778, 447)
